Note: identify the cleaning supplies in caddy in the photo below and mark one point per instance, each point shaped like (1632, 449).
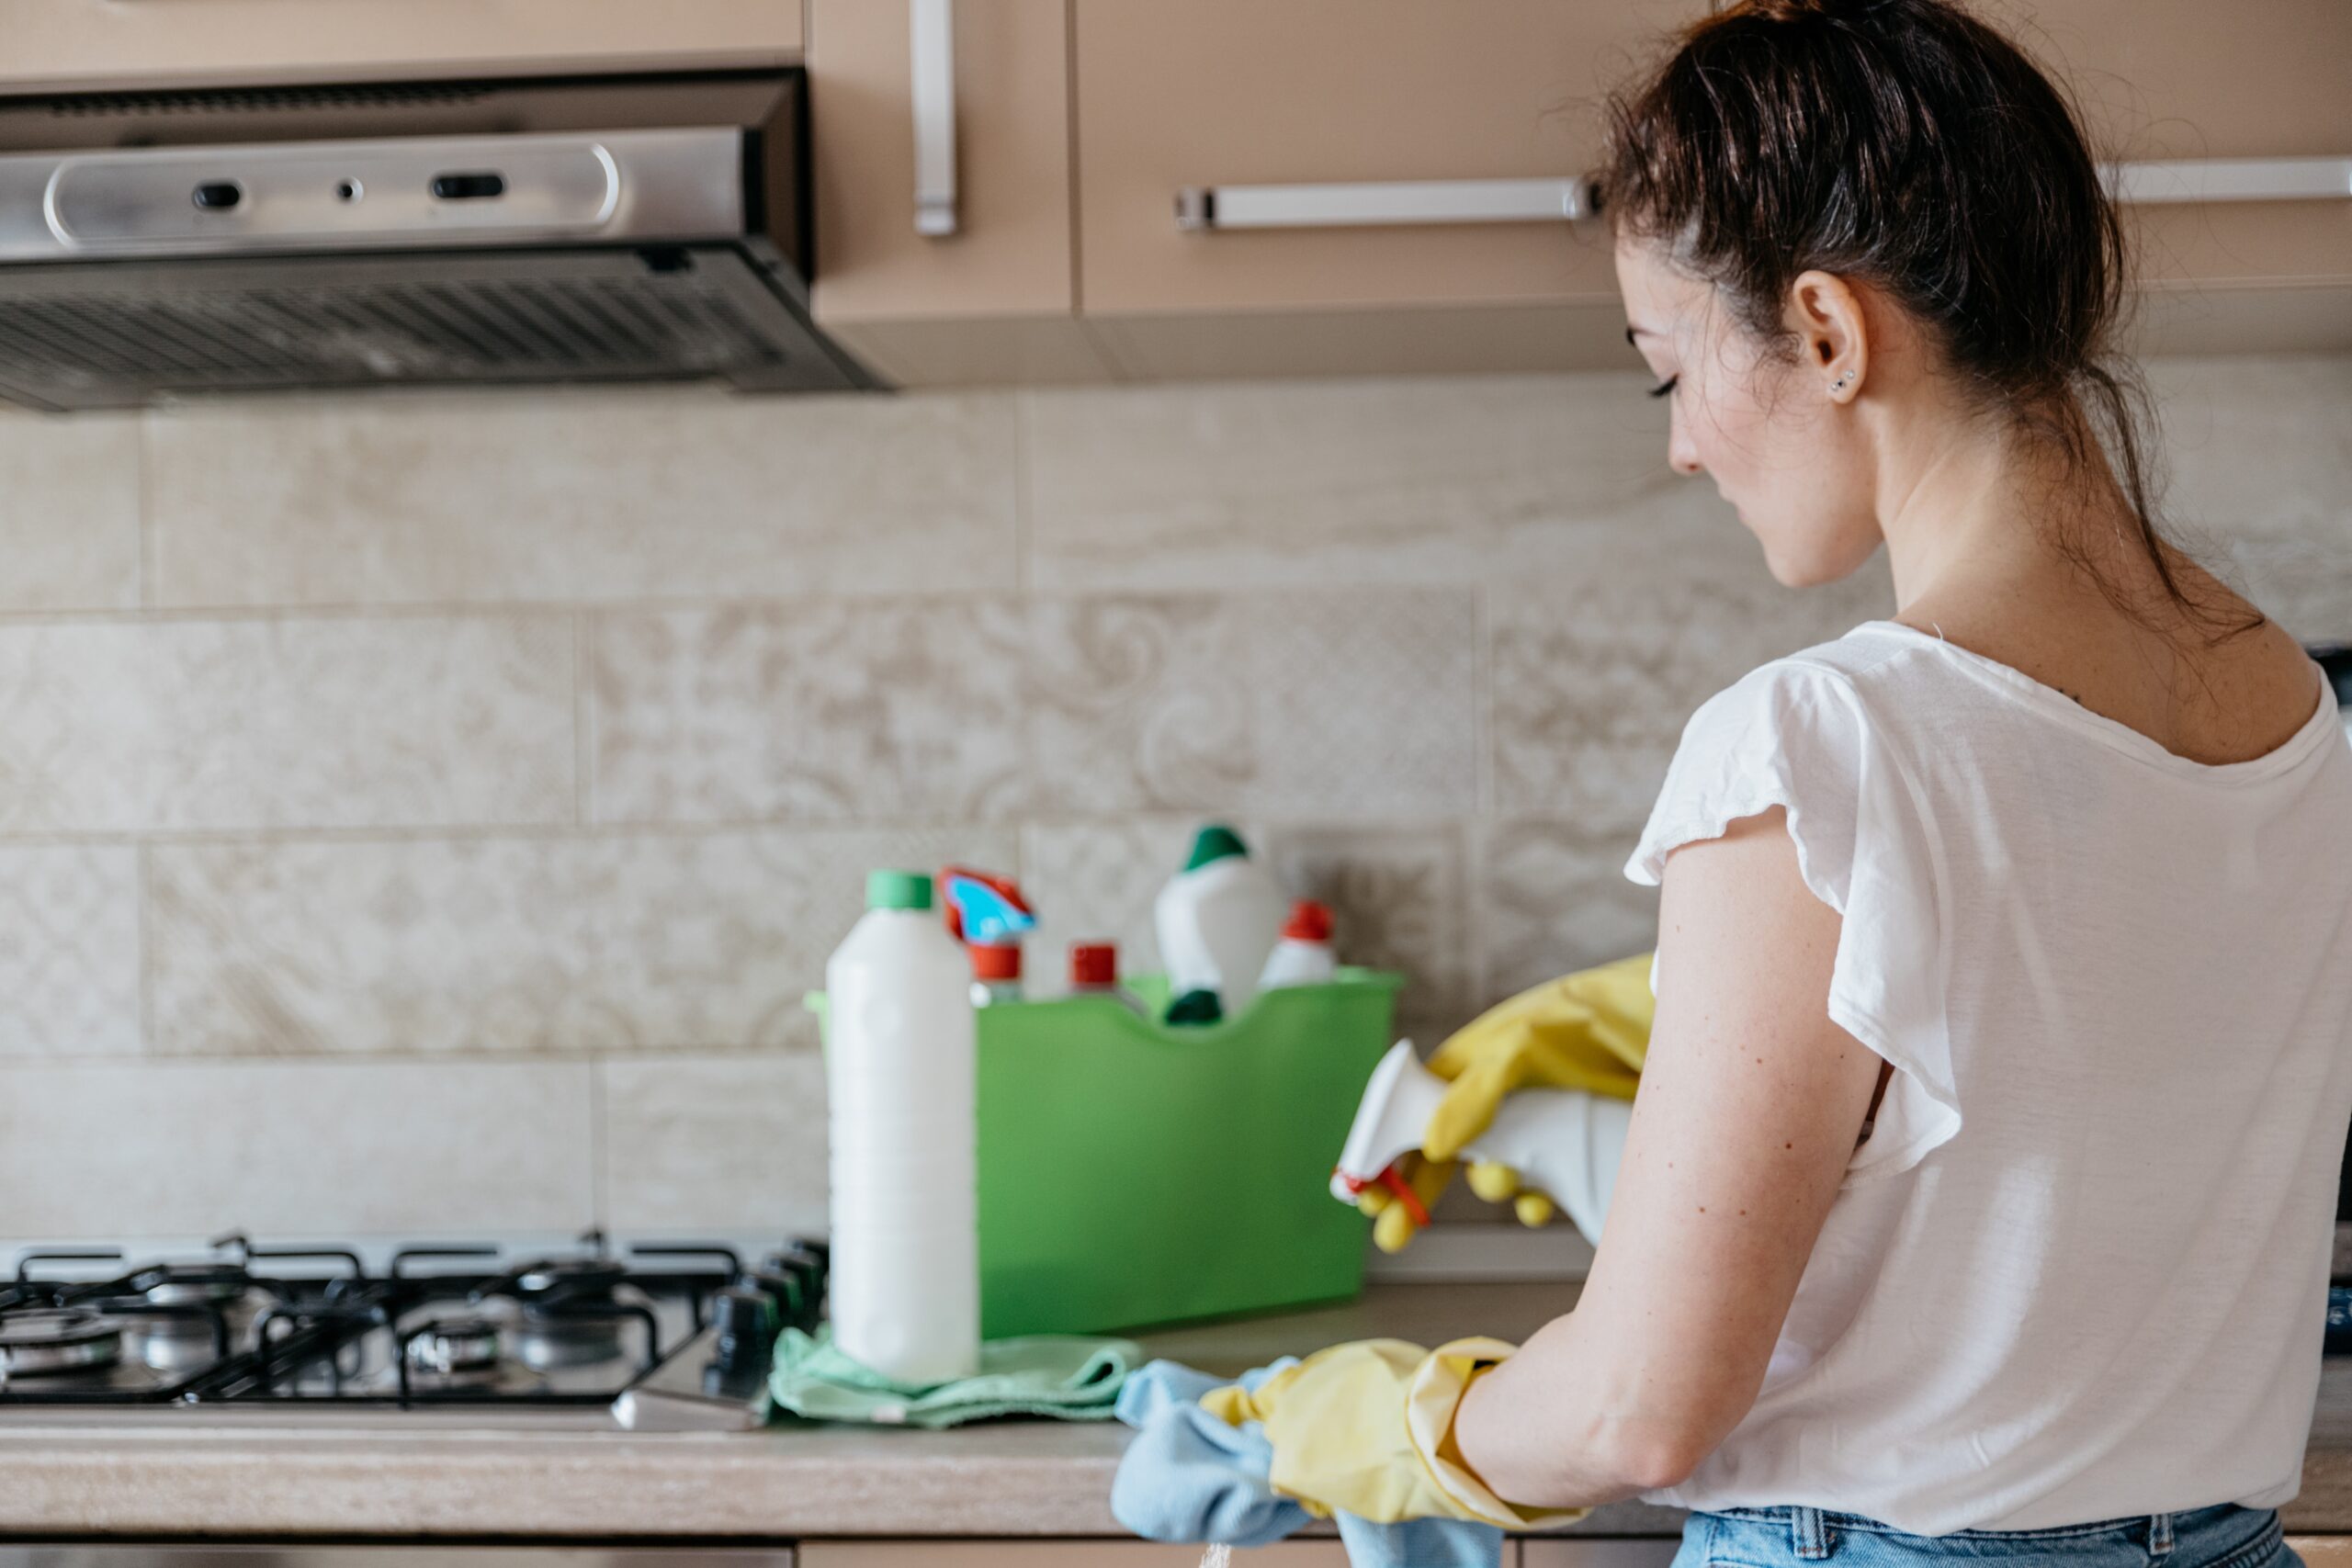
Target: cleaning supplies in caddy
(989, 916)
(899, 1066)
(1304, 956)
(1094, 972)
(1217, 921)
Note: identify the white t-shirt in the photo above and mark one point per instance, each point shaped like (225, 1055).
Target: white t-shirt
(2078, 1271)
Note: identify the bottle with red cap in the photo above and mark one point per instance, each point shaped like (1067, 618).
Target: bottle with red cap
(1094, 972)
(996, 974)
(1303, 956)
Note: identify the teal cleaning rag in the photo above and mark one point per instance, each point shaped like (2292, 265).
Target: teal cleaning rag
(1062, 1376)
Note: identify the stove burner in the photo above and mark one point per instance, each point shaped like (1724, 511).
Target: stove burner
(456, 1347)
(199, 1283)
(56, 1342)
(576, 1277)
(549, 1337)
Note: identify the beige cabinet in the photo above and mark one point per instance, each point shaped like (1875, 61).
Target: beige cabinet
(2165, 79)
(62, 45)
(2161, 80)
(2323, 1551)
(1238, 93)
(998, 295)
(1055, 1554)
(1234, 93)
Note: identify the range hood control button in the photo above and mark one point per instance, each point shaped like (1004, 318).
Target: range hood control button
(468, 187)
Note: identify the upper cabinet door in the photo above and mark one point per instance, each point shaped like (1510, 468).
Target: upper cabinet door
(996, 299)
(1240, 92)
(71, 45)
(2180, 79)
(1011, 252)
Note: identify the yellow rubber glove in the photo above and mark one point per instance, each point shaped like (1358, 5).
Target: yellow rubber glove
(1395, 1217)
(1367, 1428)
(1588, 1031)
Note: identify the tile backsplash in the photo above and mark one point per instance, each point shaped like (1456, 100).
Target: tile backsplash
(477, 783)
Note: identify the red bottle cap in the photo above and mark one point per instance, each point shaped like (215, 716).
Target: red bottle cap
(1093, 963)
(995, 963)
(1309, 921)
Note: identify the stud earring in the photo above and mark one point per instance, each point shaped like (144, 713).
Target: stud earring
(1843, 381)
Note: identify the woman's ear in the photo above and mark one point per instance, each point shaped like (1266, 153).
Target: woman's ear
(1827, 316)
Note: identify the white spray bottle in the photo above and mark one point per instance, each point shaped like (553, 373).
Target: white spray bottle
(1563, 1143)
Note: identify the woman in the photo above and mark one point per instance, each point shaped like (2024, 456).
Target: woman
(1978, 1195)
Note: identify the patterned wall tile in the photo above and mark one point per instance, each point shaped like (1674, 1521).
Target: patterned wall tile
(286, 724)
(1301, 705)
(2306, 587)
(1553, 899)
(1405, 482)
(69, 951)
(2259, 449)
(715, 1144)
(1398, 901)
(565, 944)
(595, 495)
(826, 712)
(1595, 672)
(69, 511)
(304, 1148)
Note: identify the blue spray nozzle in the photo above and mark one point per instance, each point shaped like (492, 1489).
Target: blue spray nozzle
(984, 910)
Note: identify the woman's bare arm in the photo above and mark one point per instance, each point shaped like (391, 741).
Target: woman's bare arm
(1749, 1107)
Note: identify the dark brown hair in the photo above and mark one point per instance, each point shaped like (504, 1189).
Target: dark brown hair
(1906, 144)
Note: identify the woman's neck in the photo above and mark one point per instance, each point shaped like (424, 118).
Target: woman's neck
(1970, 507)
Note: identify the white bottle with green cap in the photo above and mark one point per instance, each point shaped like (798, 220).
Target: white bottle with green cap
(1216, 921)
(905, 1285)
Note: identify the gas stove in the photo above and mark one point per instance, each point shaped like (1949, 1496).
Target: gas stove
(667, 1335)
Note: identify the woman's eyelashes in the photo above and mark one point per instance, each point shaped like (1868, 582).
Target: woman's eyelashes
(1663, 388)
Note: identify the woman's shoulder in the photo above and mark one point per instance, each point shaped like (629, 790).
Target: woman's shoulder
(1874, 672)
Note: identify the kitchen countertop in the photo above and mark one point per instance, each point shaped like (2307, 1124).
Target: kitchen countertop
(1028, 1478)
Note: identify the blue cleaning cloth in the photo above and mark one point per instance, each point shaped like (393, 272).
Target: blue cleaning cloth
(1189, 1476)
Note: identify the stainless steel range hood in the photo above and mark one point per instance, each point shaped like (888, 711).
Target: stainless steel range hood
(615, 228)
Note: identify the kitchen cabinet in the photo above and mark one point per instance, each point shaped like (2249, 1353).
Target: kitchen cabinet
(996, 299)
(2158, 80)
(1230, 93)
(66, 45)
(1055, 1554)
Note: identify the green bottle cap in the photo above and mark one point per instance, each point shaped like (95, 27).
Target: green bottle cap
(1215, 842)
(897, 890)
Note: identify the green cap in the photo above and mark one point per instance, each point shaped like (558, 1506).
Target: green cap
(897, 890)
(1215, 842)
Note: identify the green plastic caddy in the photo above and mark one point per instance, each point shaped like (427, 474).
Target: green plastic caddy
(1132, 1174)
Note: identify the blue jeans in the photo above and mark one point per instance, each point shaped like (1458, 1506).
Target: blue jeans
(2223, 1536)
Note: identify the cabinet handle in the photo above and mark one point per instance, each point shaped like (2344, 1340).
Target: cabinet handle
(1381, 202)
(2230, 179)
(1375, 203)
(932, 33)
